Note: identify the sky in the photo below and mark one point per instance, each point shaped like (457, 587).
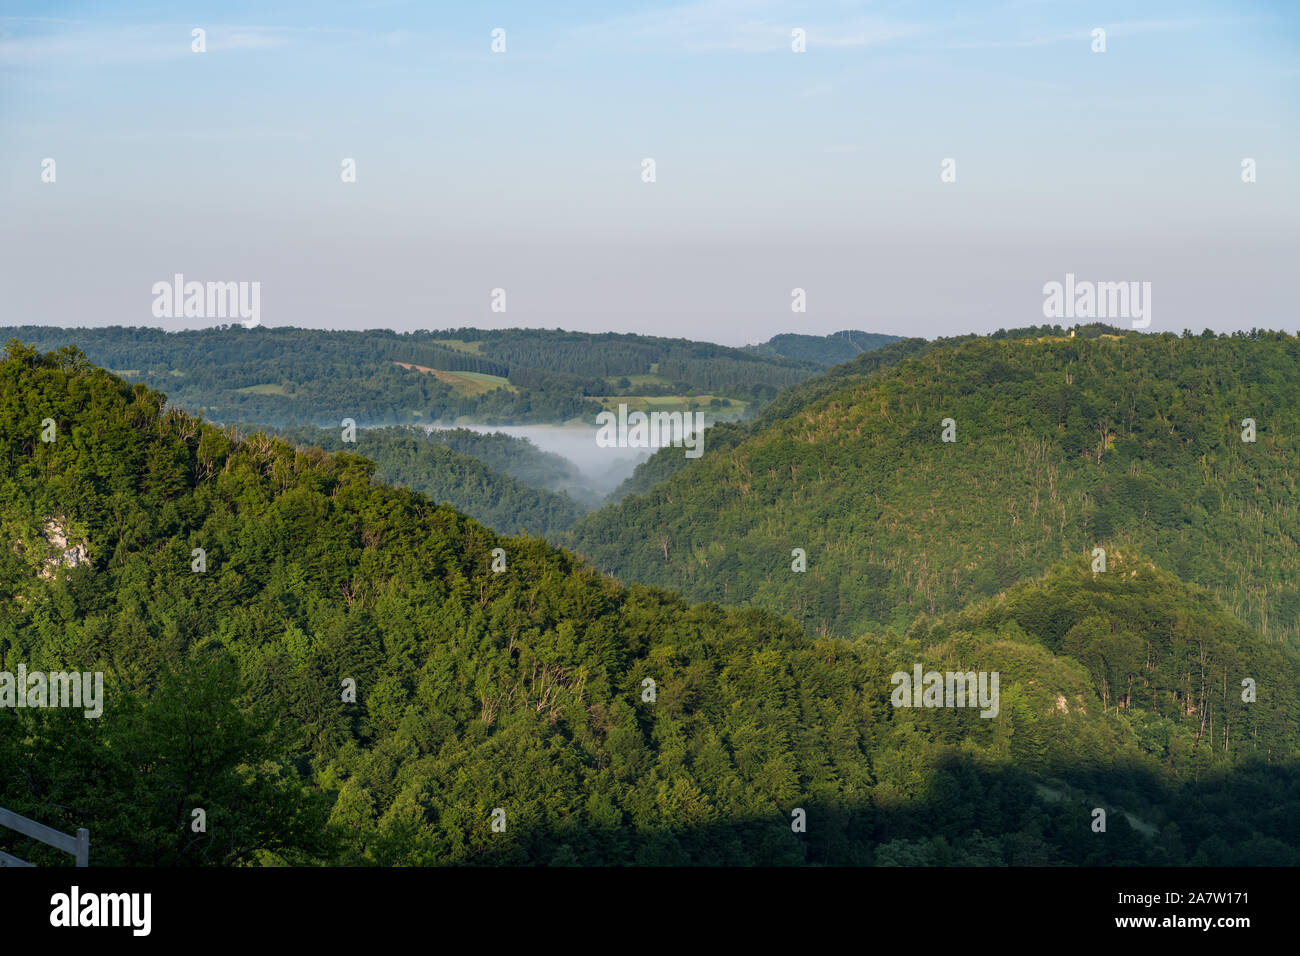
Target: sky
(523, 170)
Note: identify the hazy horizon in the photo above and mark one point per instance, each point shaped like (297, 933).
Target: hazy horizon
(774, 170)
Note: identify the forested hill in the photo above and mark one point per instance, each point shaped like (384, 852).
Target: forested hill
(724, 435)
(823, 349)
(517, 457)
(592, 722)
(599, 723)
(410, 456)
(1061, 445)
(290, 376)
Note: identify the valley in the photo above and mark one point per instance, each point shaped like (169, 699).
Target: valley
(501, 678)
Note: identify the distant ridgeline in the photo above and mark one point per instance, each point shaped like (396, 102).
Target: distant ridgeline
(337, 671)
(823, 349)
(290, 376)
(1059, 445)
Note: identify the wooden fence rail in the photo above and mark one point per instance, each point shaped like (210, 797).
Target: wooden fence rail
(78, 846)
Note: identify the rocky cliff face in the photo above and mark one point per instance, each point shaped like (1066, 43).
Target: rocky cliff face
(62, 548)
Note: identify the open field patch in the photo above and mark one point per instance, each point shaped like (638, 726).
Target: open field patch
(465, 383)
(265, 389)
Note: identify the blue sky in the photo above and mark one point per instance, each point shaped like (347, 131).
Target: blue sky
(775, 170)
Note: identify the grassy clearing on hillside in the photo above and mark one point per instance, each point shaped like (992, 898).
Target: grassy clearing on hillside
(460, 345)
(266, 389)
(465, 383)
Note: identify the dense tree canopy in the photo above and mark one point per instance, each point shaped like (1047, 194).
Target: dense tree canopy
(290, 376)
(1061, 445)
(823, 349)
(427, 461)
(526, 690)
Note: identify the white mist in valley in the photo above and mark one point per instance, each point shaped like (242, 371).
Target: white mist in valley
(604, 469)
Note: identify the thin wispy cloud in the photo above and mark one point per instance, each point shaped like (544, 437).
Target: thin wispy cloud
(156, 42)
(741, 26)
(92, 45)
(13, 19)
(1118, 29)
(1030, 42)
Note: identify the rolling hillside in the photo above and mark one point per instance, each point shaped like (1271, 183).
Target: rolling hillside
(1061, 445)
(348, 680)
(823, 349)
(288, 376)
(413, 458)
